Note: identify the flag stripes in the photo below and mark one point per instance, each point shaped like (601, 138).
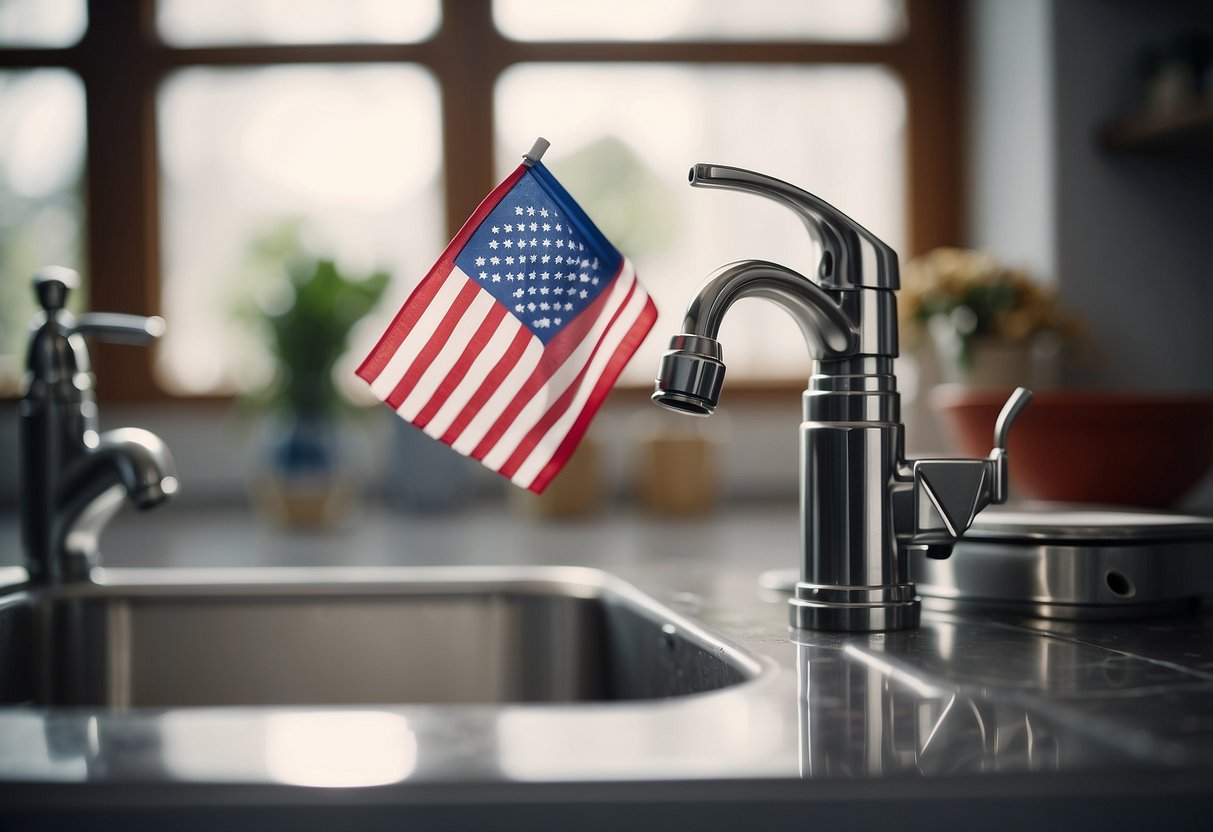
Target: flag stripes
(471, 376)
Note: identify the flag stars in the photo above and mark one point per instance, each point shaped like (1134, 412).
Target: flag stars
(492, 244)
(522, 244)
(543, 212)
(559, 227)
(560, 244)
(547, 226)
(495, 260)
(532, 307)
(509, 261)
(530, 211)
(508, 243)
(479, 261)
(520, 308)
(496, 278)
(518, 210)
(543, 290)
(530, 290)
(519, 293)
(484, 275)
(583, 294)
(534, 226)
(545, 258)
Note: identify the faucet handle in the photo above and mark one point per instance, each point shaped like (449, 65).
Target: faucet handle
(1002, 428)
(948, 493)
(851, 256)
(52, 285)
(120, 329)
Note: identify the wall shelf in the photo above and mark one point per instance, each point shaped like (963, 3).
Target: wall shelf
(1185, 130)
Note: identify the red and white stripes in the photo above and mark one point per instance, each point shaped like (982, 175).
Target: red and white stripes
(461, 367)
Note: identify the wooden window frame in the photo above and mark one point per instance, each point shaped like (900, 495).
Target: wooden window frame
(122, 62)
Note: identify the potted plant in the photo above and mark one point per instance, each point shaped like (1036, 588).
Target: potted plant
(986, 323)
(304, 481)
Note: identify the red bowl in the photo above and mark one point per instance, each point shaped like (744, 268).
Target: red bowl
(1120, 448)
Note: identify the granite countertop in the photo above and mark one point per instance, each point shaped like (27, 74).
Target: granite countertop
(959, 721)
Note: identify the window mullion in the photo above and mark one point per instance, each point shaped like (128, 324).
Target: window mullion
(470, 54)
(122, 220)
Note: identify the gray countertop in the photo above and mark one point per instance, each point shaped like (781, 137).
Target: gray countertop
(968, 719)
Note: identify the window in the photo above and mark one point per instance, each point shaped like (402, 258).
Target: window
(839, 128)
(374, 127)
(41, 216)
(347, 157)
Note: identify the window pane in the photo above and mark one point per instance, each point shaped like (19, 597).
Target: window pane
(41, 211)
(41, 22)
(624, 137)
(204, 22)
(350, 156)
(819, 20)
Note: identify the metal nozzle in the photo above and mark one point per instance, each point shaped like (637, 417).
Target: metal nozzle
(691, 375)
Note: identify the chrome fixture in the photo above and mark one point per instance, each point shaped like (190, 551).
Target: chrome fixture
(863, 506)
(74, 478)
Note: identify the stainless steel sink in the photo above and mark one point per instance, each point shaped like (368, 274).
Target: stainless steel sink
(168, 639)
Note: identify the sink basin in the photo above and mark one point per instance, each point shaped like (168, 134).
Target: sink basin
(169, 639)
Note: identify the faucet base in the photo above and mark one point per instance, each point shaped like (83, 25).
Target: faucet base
(854, 609)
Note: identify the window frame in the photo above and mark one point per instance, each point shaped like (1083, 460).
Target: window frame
(122, 62)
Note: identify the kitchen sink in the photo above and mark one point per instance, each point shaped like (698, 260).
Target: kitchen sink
(248, 637)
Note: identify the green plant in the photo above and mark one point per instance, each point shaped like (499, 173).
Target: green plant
(308, 331)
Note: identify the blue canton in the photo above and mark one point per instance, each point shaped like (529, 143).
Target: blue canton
(532, 256)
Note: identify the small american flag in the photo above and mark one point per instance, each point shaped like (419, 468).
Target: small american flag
(510, 344)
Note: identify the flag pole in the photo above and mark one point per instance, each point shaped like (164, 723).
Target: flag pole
(536, 152)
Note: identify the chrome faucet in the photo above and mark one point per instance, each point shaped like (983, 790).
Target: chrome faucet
(863, 506)
(73, 478)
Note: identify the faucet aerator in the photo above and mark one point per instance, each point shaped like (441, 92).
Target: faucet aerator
(691, 376)
(682, 403)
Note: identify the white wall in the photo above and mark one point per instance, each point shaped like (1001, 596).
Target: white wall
(1012, 209)
(1125, 236)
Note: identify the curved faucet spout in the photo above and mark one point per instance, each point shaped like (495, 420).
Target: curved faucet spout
(133, 458)
(127, 463)
(692, 372)
(827, 331)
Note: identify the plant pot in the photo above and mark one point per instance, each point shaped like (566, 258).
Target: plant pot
(304, 483)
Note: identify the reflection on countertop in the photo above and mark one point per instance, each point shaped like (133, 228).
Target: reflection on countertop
(966, 707)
